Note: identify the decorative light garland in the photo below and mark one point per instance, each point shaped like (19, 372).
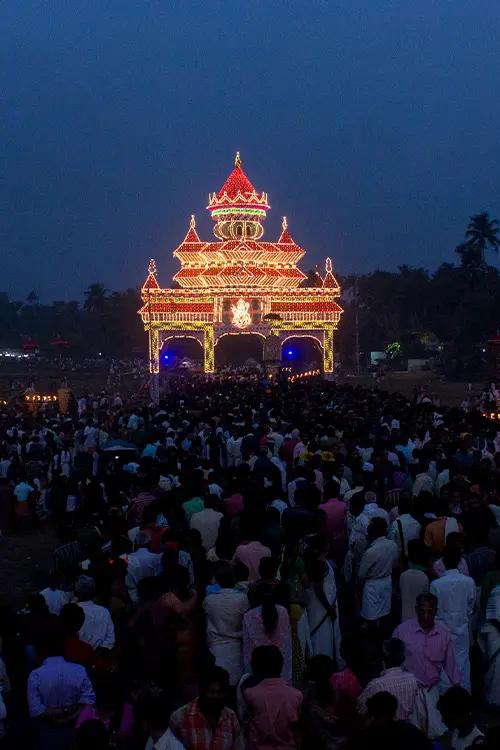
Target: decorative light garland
(238, 281)
(37, 398)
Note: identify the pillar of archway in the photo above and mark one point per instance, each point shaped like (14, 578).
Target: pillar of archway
(328, 350)
(208, 349)
(272, 348)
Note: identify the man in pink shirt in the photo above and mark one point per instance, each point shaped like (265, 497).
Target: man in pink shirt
(274, 707)
(429, 653)
(251, 553)
(335, 512)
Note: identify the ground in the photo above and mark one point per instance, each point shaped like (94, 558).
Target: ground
(25, 561)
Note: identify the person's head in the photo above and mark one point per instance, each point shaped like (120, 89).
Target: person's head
(84, 588)
(377, 528)
(194, 539)
(224, 576)
(426, 608)
(382, 707)
(241, 572)
(179, 579)
(455, 707)
(456, 540)
(268, 568)
(71, 618)
(331, 489)
(357, 504)
(270, 614)
(157, 715)
(394, 652)
(54, 640)
(213, 689)
(417, 552)
(92, 735)
(319, 672)
(142, 540)
(149, 589)
(212, 501)
(267, 662)
(451, 557)
(404, 504)
(37, 605)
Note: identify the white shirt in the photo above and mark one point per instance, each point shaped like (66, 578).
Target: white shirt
(141, 564)
(224, 611)
(443, 478)
(379, 559)
(98, 629)
(411, 530)
(463, 743)
(55, 599)
(233, 450)
(423, 483)
(456, 595)
(207, 522)
(167, 741)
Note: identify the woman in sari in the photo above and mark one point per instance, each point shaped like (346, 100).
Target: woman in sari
(268, 625)
(178, 611)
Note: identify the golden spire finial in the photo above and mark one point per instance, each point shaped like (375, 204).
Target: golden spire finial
(192, 222)
(284, 223)
(152, 266)
(237, 160)
(328, 265)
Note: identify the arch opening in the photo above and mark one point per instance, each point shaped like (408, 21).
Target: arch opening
(239, 349)
(302, 352)
(181, 352)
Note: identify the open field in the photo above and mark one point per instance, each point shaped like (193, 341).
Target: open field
(449, 393)
(47, 379)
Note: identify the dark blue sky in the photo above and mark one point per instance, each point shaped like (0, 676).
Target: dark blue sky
(374, 125)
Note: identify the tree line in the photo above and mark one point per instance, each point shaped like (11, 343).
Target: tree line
(452, 311)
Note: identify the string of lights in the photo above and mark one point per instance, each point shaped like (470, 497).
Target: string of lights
(239, 284)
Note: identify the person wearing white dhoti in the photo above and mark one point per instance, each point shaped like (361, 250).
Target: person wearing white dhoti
(456, 595)
(224, 611)
(489, 643)
(322, 611)
(375, 571)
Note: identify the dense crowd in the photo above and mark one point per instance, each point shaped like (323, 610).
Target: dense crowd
(257, 564)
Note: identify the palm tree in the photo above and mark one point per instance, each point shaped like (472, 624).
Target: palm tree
(96, 298)
(482, 232)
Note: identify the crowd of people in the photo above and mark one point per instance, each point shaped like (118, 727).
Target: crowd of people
(253, 564)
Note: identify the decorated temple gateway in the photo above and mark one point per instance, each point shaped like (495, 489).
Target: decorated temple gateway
(239, 284)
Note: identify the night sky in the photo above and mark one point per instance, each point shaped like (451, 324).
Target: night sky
(374, 125)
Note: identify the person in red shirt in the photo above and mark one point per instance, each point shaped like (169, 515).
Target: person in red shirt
(72, 618)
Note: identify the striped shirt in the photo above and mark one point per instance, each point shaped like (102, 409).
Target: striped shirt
(402, 685)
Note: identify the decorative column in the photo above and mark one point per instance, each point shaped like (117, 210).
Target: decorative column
(328, 363)
(208, 348)
(154, 365)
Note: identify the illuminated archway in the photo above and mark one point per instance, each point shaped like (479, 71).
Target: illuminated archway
(177, 347)
(237, 348)
(302, 351)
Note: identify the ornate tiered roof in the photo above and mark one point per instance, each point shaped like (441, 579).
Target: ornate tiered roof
(238, 277)
(233, 260)
(237, 193)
